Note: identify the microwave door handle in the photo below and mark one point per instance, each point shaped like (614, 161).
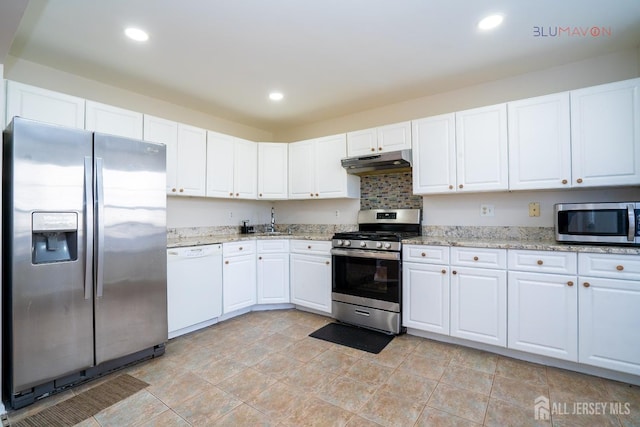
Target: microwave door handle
(631, 233)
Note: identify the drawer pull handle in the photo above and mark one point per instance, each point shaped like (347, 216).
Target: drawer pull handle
(362, 313)
(475, 258)
(309, 247)
(327, 262)
(444, 271)
(540, 262)
(586, 284)
(240, 248)
(423, 254)
(620, 267)
(570, 283)
(454, 272)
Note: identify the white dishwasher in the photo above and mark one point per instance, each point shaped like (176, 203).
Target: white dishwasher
(194, 288)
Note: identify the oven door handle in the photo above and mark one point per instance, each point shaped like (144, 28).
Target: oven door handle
(357, 253)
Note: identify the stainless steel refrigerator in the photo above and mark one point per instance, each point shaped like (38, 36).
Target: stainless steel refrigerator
(84, 256)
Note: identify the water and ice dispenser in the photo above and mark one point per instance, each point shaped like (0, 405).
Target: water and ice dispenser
(54, 237)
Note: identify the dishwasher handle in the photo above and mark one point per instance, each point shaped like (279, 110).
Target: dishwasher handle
(195, 252)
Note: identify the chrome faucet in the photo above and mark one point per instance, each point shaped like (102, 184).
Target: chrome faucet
(272, 226)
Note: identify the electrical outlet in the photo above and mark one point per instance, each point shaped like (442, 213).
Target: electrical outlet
(337, 213)
(534, 209)
(486, 210)
(230, 214)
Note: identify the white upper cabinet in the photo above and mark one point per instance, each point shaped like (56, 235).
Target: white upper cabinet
(272, 171)
(540, 142)
(434, 154)
(232, 167)
(392, 137)
(44, 105)
(165, 132)
(113, 120)
(605, 134)
(315, 170)
(481, 149)
(192, 161)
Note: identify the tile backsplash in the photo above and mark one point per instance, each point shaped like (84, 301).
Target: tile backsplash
(392, 191)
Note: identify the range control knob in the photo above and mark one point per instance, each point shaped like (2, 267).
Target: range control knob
(363, 244)
(387, 245)
(378, 245)
(347, 242)
(340, 242)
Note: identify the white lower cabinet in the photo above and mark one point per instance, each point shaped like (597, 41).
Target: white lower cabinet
(194, 287)
(239, 275)
(310, 274)
(609, 318)
(273, 271)
(425, 288)
(543, 304)
(479, 297)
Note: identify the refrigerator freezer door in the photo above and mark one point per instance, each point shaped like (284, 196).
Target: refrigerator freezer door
(130, 249)
(50, 313)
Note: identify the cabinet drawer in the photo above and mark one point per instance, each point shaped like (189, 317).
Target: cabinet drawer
(608, 265)
(245, 247)
(479, 257)
(543, 261)
(426, 254)
(319, 247)
(272, 246)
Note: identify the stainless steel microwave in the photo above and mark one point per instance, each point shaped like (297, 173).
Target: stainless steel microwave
(598, 223)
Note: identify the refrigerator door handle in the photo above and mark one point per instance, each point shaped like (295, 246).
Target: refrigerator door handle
(88, 218)
(100, 225)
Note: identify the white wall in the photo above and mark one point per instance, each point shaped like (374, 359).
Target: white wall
(317, 211)
(204, 212)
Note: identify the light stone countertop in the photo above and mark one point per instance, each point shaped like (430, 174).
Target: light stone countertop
(226, 238)
(541, 245)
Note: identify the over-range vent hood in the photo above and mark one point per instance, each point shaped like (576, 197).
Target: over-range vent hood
(390, 162)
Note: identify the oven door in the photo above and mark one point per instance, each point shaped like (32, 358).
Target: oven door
(361, 276)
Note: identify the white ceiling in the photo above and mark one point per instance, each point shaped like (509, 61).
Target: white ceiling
(329, 57)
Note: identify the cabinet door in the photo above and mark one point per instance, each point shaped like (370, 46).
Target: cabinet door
(394, 137)
(272, 171)
(481, 149)
(302, 170)
(609, 321)
(425, 295)
(311, 281)
(245, 169)
(220, 158)
(434, 154)
(113, 120)
(192, 160)
(238, 282)
(165, 132)
(479, 305)
(362, 142)
(332, 179)
(540, 143)
(543, 314)
(44, 105)
(273, 278)
(605, 134)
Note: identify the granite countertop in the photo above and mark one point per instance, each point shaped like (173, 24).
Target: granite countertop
(539, 245)
(226, 238)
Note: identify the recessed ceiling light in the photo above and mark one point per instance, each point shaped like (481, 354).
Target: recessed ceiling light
(490, 22)
(136, 34)
(276, 96)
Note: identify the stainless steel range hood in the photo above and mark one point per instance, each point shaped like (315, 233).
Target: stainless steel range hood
(390, 162)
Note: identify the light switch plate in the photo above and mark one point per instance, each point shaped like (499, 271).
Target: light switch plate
(534, 209)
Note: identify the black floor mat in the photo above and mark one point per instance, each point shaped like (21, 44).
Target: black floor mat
(354, 337)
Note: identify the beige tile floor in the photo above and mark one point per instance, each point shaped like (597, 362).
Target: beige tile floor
(262, 369)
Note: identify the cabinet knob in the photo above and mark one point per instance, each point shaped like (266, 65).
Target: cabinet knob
(379, 148)
(311, 194)
(240, 248)
(444, 271)
(579, 180)
(540, 262)
(182, 190)
(260, 194)
(173, 190)
(327, 262)
(564, 181)
(309, 247)
(231, 194)
(423, 254)
(259, 257)
(620, 267)
(226, 262)
(450, 187)
(454, 272)
(373, 149)
(237, 194)
(475, 258)
(569, 283)
(316, 194)
(586, 284)
(460, 186)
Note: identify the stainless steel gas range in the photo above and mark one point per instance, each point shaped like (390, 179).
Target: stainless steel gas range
(367, 269)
